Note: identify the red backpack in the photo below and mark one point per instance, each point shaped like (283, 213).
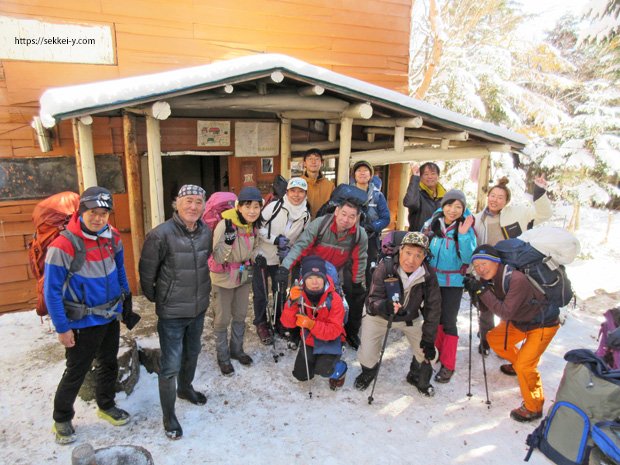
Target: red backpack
(50, 217)
(218, 203)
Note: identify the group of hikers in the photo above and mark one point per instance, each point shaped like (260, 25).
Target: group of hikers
(334, 281)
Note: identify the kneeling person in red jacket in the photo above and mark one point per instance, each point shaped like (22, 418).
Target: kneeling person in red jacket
(316, 307)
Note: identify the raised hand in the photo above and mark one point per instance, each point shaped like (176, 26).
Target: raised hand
(466, 224)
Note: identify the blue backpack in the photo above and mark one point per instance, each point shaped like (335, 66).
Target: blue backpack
(542, 271)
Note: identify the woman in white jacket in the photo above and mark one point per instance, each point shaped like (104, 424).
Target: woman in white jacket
(501, 220)
(282, 222)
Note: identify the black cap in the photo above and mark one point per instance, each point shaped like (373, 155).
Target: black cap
(95, 197)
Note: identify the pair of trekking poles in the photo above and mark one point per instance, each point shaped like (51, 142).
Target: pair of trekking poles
(484, 369)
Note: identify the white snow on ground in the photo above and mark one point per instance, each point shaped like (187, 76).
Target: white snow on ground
(263, 416)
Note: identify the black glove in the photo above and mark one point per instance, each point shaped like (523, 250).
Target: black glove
(230, 234)
(282, 277)
(128, 317)
(369, 229)
(260, 261)
(473, 286)
(429, 349)
(358, 290)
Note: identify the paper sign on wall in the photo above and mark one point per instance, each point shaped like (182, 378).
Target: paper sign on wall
(257, 139)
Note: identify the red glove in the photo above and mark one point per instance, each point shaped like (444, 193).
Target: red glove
(295, 293)
(304, 321)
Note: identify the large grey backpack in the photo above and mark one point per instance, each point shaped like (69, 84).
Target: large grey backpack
(588, 394)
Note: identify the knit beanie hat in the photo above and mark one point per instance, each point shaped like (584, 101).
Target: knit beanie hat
(313, 266)
(486, 252)
(250, 194)
(363, 163)
(95, 197)
(454, 194)
(191, 189)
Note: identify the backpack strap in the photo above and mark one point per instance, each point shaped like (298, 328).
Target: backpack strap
(278, 206)
(79, 257)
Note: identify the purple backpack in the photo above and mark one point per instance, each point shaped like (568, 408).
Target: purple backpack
(218, 202)
(607, 350)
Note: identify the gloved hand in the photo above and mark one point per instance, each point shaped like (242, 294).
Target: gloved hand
(282, 277)
(358, 290)
(304, 321)
(429, 349)
(369, 229)
(282, 243)
(295, 293)
(230, 234)
(473, 286)
(260, 261)
(128, 317)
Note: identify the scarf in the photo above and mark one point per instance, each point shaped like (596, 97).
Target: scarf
(294, 211)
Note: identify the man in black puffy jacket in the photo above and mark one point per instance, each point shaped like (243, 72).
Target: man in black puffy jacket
(404, 291)
(174, 274)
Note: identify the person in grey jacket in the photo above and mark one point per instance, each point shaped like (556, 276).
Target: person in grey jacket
(175, 275)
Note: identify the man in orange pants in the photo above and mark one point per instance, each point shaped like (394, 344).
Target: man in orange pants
(525, 318)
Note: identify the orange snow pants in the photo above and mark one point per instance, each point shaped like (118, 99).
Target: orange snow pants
(525, 359)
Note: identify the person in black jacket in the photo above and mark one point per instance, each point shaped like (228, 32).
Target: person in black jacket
(175, 275)
(424, 194)
(404, 288)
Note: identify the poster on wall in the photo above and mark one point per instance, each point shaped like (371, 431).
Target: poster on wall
(266, 165)
(257, 139)
(213, 133)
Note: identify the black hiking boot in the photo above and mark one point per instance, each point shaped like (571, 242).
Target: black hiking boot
(191, 395)
(243, 358)
(226, 368)
(115, 416)
(444, 375)
(64, 432)
(364, 379)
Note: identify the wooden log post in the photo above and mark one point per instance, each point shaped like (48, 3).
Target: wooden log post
(78, 158)
(85, 154)
(285, 148)
(399, 147)
(134, 191)
(484, 174)
(346, 131)
(156, 191)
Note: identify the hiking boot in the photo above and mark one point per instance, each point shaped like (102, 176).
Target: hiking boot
(354, 341)
(508, 369)
(191, 395)
(364, 379)
(524, 415)
(264, 333)
(336, 379)
(444, 375)
(64, 431)
(115, 416)
(226, 368)
(243, 358)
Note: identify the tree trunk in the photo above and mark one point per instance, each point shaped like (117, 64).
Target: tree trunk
(573, 224)
(435, 57)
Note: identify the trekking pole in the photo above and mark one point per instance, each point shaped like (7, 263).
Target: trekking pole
(471, 311)
(272, 323)
(303, 343)
(385, 338)
(484, 365)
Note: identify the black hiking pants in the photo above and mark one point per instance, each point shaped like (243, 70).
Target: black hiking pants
(99, 343)
(320, 364)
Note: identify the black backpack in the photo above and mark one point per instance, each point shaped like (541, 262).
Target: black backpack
(340, 194)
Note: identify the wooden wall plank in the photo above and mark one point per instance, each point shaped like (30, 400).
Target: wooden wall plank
(11, 244)
(11, 259)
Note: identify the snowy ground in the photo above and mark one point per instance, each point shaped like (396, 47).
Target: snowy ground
(262, 416)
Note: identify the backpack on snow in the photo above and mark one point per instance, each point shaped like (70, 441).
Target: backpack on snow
(541, 256)
(50, 218)
(217, 203)
(586, 404)
(340, 194)
(609, 338)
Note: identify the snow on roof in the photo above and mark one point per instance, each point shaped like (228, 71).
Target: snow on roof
(71, 101)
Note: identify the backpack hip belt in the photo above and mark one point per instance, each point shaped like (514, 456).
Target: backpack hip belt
(76, 311)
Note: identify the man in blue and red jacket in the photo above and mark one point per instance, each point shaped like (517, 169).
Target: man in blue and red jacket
(85, 306)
